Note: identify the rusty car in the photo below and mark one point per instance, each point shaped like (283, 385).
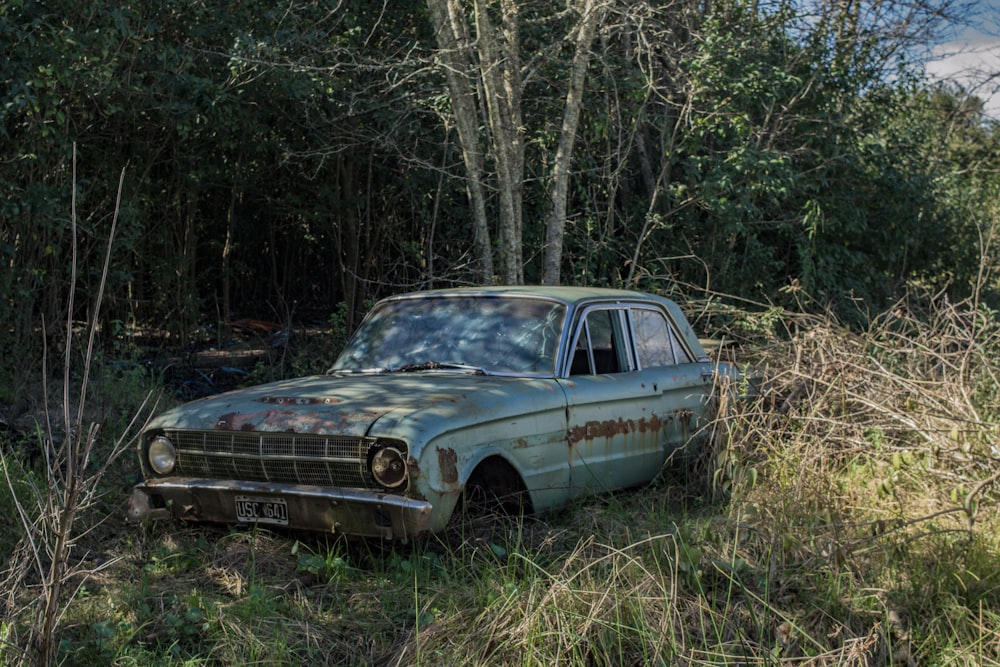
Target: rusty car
(529, 396)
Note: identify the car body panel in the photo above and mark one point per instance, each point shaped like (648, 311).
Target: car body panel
(623, 427)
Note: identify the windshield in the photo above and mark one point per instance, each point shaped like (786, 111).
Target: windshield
(478, 334)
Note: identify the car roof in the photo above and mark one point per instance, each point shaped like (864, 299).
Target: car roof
(565, 294)
(575, 298)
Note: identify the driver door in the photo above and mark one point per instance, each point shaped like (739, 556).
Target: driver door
(612, 411)
(634, 396)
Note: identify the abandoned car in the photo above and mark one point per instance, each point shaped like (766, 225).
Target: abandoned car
(539, 394)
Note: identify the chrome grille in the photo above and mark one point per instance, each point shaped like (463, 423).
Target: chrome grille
(287, 458)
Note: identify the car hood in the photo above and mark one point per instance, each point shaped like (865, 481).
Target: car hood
(350, 405)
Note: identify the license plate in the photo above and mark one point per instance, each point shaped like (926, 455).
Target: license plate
(261, 510)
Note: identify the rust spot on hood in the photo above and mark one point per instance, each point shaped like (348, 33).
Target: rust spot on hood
(448, 465)
(238, 421)
(298, 400)
(290, 420)
(227, 422)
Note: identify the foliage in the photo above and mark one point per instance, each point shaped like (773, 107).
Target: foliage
(292, 162)
(787, 171)
(282, 161)
(236, 177)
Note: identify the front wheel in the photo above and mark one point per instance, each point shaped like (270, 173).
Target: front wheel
(493, 491)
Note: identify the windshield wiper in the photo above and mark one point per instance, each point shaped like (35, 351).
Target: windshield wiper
(436, 365)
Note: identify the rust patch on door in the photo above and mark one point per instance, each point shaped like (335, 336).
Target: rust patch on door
(448, 465)
(609, 429)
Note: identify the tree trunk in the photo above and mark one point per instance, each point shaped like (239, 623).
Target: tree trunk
(227, 251)
(349, 242)
(555, 227)
(500, 71)
(452, 36)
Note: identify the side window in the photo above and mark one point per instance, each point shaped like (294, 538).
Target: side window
(656, 342)
(600, 344)
(679, 352)
(652, 338)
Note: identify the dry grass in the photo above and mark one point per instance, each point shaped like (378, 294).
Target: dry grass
(885, 435)
(847, 516)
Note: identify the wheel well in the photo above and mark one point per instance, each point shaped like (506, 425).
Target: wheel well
(497, 479)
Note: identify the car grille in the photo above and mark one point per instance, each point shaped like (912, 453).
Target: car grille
(287, 458)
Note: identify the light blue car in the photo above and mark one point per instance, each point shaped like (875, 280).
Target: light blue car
(526, 397)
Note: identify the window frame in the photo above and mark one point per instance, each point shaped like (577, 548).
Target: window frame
(622, 346)
(623, 328)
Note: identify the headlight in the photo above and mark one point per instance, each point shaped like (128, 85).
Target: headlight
(389, 467)
(162, 455)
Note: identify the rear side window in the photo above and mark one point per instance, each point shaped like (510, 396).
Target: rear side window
(656, 342)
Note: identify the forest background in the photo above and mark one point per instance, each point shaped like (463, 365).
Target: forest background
(285, 160)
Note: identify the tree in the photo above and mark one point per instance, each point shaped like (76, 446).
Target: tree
(257, 144)
(285, 160)
(769, 148)
(496, 84)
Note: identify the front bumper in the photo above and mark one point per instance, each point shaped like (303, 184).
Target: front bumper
(351, 512)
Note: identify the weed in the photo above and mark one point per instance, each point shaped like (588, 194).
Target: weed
(329, 564)
(50, 514)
